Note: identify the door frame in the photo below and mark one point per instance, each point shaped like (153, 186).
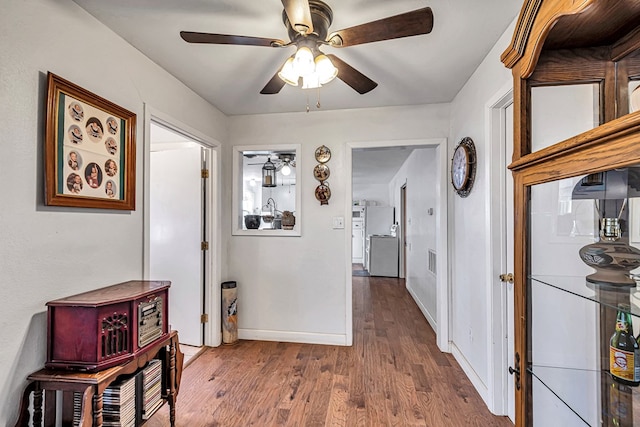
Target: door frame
(403, 231)
(212, 259)
(442, 284)
(496, 234)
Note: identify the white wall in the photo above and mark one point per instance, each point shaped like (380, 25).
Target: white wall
(468, 218)
(293, 289)
(48, 252)
(374, 194)
(420, 173)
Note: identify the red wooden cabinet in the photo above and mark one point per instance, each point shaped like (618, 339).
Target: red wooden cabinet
(108, 326)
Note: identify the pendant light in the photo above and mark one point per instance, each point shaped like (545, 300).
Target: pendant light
(268, 174)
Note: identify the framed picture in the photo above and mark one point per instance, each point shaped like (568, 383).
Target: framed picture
(89, 149)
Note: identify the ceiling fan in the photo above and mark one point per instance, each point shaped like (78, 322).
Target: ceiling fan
(307, 22)
(279, 160)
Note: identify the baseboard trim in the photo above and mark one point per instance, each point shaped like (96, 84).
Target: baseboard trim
(297, 337)
(477, 382)
(423, 309)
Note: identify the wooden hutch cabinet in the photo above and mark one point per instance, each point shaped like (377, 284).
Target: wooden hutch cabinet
(576, 163)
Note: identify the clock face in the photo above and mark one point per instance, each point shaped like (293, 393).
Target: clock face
(460, 167)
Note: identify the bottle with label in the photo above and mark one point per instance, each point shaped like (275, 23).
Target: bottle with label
(624, 352)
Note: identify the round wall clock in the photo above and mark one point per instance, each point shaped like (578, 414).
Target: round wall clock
(463, 167)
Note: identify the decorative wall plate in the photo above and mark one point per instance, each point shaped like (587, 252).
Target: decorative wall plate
(323, 154)
(323, 194)
(321, 172)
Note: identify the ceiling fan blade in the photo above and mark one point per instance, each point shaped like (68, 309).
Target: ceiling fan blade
(274, 85)
(299, 15)
(404, 25)
(354, 78)
(194, 37)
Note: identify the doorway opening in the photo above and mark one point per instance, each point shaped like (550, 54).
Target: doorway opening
(501, 391)
(181, 243)
(429, 291)
(177, 227)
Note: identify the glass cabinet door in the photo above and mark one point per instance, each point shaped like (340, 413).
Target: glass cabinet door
(583, 305)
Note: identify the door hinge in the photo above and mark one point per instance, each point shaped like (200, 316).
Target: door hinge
(204, 246)
(204, 318)
(205, 173)
(507, 278)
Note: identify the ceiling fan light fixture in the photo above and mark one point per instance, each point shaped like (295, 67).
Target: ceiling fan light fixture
(288, 73)
(325, 69)
(303, 61)
(286, 170)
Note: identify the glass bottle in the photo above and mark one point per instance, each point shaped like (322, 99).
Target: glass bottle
(624, 352)
(620, 405)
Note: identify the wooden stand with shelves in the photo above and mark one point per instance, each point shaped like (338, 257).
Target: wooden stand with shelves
(44, 383)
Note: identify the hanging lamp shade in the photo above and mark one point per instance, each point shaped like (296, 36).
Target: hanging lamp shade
(303, 61)
(269, 174)
(288, 73)
(311, 81)
(325, 69)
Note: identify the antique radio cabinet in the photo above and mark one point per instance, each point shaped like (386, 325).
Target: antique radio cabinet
(108, 326)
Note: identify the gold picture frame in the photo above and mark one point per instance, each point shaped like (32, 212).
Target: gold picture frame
(89, 149)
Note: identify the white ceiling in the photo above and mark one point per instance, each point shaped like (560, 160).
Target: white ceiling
(414, 70)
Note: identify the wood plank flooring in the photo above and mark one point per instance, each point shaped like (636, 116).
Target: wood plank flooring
(393, 375)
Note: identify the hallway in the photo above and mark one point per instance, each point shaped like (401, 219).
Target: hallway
(393, 375)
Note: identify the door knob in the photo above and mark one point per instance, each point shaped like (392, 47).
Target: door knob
(516, 371)
(506, 277)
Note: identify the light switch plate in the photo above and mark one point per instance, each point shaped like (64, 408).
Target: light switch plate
(338, 222)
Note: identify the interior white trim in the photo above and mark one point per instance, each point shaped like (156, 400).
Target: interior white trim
(289, 336)
(475, 379)
(212, 330)
(442, 325)
(497, 387)
(422, 308)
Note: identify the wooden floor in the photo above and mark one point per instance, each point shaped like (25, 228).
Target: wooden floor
(393, 375)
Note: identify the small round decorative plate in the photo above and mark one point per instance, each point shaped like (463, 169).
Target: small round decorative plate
(321, 172)
(323, 154)
(323, 194)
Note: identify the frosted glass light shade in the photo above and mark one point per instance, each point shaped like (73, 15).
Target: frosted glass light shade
(288, 73)
(311, 81)
(303, 61)
(286, 170)
(325, 69)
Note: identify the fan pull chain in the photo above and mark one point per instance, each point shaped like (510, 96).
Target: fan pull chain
(318, 103)
(307, 102)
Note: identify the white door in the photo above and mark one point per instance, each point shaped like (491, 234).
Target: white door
(176, 234)
(508, 198)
